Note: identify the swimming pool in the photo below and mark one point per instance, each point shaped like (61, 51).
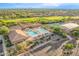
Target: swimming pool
(42, 30)
(31, 33)
(35, 32)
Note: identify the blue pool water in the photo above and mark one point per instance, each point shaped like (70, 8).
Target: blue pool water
(32, 33)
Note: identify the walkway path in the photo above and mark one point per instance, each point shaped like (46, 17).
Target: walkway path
(76, 50)
(39, 46)
(69, 37)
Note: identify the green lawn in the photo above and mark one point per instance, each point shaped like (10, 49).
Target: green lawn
(35, 20)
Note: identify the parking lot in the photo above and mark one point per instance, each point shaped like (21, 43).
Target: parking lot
(50, 48)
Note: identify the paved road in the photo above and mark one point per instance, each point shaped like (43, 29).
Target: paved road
(58, 52)
(4, 47)
(69, 37)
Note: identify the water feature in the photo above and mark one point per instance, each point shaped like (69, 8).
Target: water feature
(31, 33)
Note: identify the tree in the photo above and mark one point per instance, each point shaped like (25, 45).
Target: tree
(69, 46)
(75, 32)
(4, 30)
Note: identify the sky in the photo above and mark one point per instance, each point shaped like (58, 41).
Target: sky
(41, 5)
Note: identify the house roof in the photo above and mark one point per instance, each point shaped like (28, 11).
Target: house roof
(15, 27)
(30, 25)
(70, 25)
(16, 36)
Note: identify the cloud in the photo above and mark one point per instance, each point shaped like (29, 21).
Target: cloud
(52, 4)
